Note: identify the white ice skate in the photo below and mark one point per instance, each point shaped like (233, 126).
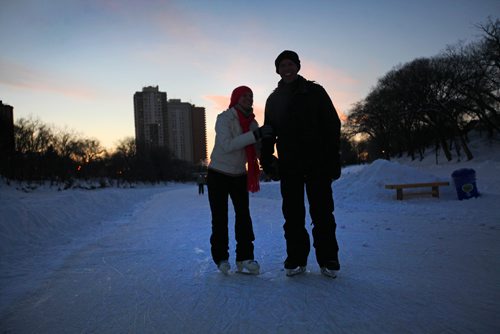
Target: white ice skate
(224, 267)
(248, 267)
(328, 272)
(296, 271)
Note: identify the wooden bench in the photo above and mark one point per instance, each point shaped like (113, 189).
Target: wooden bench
(434, 192)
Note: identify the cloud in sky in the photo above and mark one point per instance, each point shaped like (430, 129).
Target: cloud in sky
(218, 102)
(178, 26)
(19, 76)
(342, 87)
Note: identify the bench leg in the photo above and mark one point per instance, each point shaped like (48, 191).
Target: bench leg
(435, 191)
(399, 194)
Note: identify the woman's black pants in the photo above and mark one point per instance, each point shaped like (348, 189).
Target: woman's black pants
(221, 187)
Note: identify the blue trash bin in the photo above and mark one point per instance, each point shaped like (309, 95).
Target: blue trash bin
(465, 183)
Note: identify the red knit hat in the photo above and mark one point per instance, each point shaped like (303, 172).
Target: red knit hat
(237, 93)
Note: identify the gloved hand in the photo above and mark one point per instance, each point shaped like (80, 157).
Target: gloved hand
(272, 169)
(274, 175)
(264, 132)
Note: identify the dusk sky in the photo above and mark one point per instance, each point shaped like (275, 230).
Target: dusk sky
(76, 64)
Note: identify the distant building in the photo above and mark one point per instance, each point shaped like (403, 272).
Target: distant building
(178, 125)
(180, 129)
(151, 120)
(187, 131)
(7, 143)
(199, 135)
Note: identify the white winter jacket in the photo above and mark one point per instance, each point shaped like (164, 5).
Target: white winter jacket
(229, 156)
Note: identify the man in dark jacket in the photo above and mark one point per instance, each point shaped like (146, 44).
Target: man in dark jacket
(307, 136)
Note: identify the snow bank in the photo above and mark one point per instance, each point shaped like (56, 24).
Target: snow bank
(368, 182)
(46, 216)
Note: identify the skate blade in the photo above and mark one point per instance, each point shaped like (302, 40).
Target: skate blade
(330, 274)
(295, 272)
(253, 273)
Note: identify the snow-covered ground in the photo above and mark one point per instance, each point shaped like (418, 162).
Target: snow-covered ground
(138, 260)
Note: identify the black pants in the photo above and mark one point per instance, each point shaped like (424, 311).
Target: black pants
(201, 189)
(319, 195)
(220, 188)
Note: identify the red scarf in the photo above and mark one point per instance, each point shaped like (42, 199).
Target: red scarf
(253, 166)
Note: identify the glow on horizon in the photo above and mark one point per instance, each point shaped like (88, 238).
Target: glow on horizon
(77, 64)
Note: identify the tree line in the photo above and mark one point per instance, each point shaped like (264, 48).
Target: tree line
(432, 102)
(43, 152)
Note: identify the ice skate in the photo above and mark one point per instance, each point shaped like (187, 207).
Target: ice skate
(295, 271)
(224, 267)
(330, 268)
(248, 267)
(328, 272)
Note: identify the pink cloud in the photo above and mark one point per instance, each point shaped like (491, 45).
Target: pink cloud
(23, 77)
(337, 83)
(218, 102)
(328, 74)
(180, 26)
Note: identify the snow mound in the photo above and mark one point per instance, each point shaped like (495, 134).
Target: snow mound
(370, 181)
(365, 181)
(46, 216)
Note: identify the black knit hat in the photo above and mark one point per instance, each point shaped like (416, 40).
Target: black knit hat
(287, 54)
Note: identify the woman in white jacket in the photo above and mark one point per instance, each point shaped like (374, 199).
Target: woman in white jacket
(236, 132)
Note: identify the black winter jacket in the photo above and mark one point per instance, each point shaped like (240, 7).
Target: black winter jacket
(306, 130)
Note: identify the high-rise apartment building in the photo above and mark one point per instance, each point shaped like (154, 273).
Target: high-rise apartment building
(178, 125)
(151, 119)
(180, 129)
(199, 135)
(187, 131)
